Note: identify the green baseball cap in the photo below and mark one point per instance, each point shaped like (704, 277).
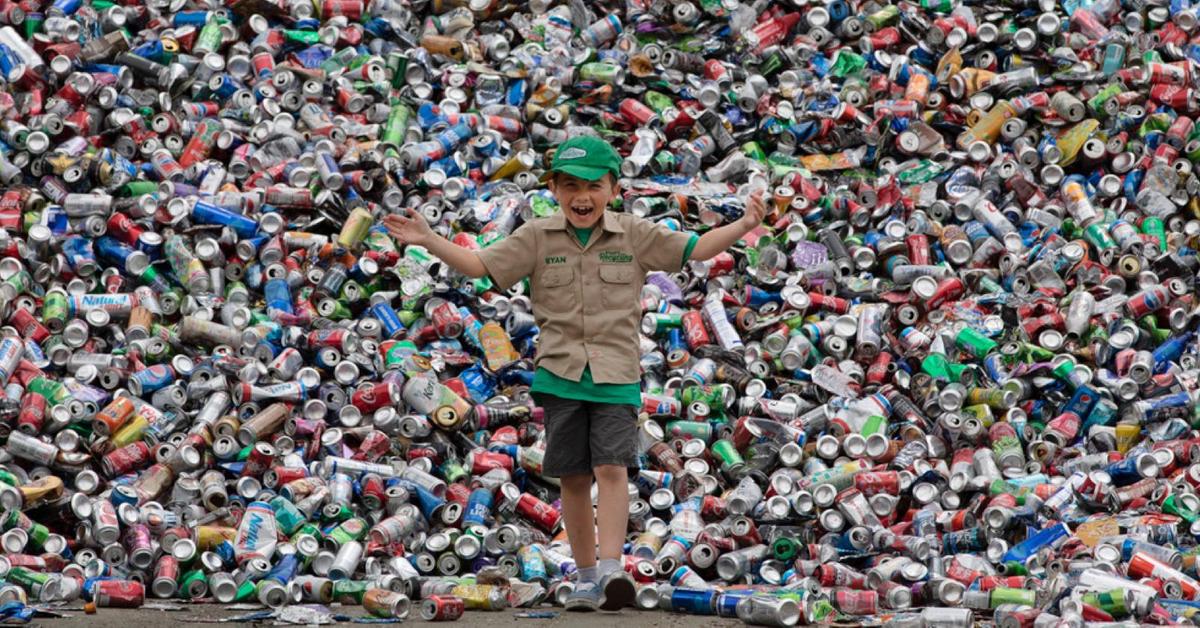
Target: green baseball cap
(585, 157)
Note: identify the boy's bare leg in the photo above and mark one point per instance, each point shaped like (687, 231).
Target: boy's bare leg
(578, 518)
(612, 514)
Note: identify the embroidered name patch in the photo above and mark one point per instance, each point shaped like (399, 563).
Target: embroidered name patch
(556, 259)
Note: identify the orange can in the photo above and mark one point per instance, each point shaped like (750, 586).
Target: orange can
(113, 416)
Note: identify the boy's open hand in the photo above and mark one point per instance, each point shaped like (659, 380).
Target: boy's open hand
(756, 210)
(408, 227)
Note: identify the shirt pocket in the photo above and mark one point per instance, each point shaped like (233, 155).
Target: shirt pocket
(556, 290)
(617, 286)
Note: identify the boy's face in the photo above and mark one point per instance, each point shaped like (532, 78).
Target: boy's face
(583, 201)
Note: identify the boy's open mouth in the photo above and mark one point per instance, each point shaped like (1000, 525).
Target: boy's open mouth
(582, 210)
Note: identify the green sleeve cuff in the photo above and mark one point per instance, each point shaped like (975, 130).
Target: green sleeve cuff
(687, 250)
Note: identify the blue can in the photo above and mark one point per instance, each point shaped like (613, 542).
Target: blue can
(150, 379)
(430, 504)
(123, 494)
(479, 384)
(392, 326)
(278, 295)
(226, 551)
(78, 252)
(727, 602)
(694, 601)
(207, 213)
(479, 507)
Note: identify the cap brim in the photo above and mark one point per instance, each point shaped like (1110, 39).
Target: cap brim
(587, 173)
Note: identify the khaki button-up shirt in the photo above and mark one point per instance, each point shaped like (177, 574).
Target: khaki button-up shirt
(586, 299)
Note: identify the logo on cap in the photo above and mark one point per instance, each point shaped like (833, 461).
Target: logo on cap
(573, 152)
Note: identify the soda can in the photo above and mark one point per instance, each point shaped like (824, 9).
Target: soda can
(442, 608)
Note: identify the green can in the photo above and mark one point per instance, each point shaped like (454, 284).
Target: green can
(209, 39)
(33, 24)
(302, 36)
(138, 188)
(659, 323)
(1010, 595)
(287, 515)
(1098, 236)
(724, 451)
(397, 67)
(352, 529)
(1112, 602)
(885, 16)
(190, 584)
(397, 124)
(693, 429)
(453, 471)
(658, 101)
(972, 340)
(1097, 103)
(351, 591)
(785, 549)
(601, 72)
(1153, 226)
(54, 310)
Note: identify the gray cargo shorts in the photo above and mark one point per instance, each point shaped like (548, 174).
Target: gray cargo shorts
(581, 435)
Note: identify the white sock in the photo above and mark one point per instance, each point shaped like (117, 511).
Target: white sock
(588, 574)
(607, 566)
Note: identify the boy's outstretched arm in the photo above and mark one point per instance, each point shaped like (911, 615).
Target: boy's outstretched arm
(721, 238)
(410, 228)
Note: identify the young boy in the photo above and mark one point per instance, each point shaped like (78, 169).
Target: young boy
(586, 268)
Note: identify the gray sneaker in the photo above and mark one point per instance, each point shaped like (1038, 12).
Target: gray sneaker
(586, 598)
(619, 591)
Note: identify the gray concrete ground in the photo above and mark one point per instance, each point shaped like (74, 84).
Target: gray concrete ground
(205, 615)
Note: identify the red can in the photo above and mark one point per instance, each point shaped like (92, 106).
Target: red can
(442, 608)
(374, 446)
(918, 249)
(126, 459)
(371, 398)
(694, 331)
(259, 461)
(871, 483)
(166, 576)
(714, 70)
(483, 461)
(949, 289)
(879, 370)
(458, 493)
(446, 320)
(28, 325)
(636, 112)
(854, 602)
(712, 508)
(124, 229)
(539, 512)
(352, 9)
(33, 413)
(1173, 96)
(118, 594)
(374, 493)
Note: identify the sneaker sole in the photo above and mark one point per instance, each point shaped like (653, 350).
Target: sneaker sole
(581, 606)
(618, 593)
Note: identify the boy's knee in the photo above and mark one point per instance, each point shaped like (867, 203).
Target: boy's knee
(611, 473)
(582, 481)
